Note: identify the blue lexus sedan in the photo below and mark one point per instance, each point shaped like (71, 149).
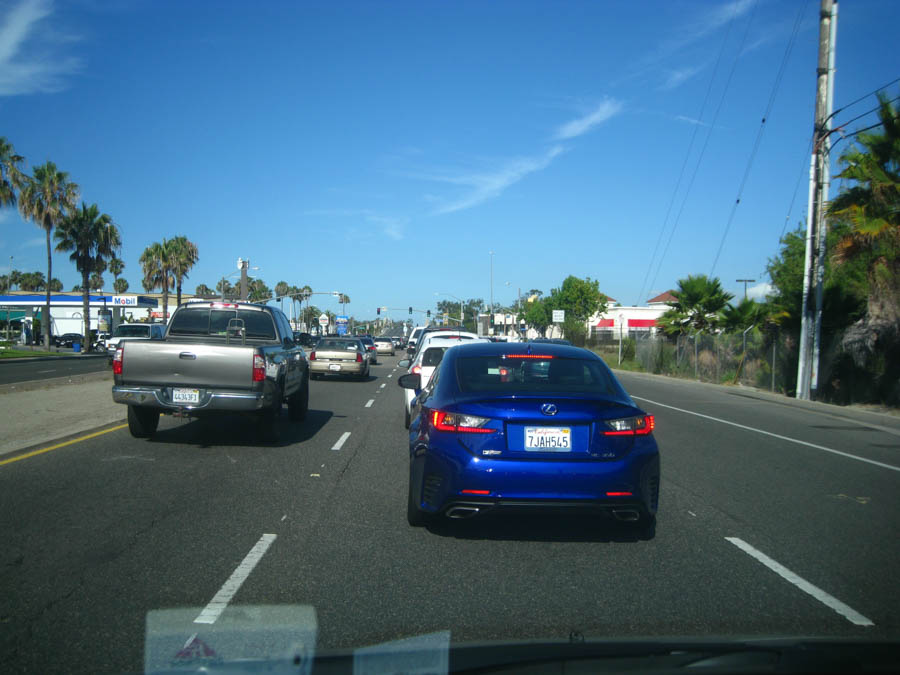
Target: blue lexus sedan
(528, 426)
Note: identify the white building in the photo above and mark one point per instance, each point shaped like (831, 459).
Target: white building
(629, 321)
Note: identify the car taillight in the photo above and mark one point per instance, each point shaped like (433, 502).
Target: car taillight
(259, 368)
(312, 356)
(417, 370)
(630, 426)
(117, 361)
(469, 424)
(358, 357)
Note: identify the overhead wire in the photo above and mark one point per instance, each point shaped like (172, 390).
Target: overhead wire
(705, 143)
(687, 156)
(759, 134)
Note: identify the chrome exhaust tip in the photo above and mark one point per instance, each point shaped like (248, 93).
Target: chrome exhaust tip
(460, 512)
(626, 515)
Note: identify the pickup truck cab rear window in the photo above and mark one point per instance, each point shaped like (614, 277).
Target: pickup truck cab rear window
(206, 321)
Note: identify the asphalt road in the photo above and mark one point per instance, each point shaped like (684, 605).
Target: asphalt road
(13, 370)
(764, 529)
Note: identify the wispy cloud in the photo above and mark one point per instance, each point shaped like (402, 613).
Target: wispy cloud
(709, 22)
(391, 226)
(608, 108)
(34, 242)
(40, 68)
(691, 120)
(677, 77)
(491, 184)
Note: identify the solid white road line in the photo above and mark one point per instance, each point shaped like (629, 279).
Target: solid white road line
(370, 402)
(828, 600)
(221, 599)
(341, 441)
(779, 436)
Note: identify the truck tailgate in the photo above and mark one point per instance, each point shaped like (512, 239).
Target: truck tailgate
(188, 365)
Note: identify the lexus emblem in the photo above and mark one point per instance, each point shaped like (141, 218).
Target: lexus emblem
(549, 409)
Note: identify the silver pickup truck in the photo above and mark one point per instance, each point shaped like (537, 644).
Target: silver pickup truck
(216, 358)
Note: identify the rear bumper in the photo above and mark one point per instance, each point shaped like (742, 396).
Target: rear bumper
(210, 400)
(347, 368)
(529, 485)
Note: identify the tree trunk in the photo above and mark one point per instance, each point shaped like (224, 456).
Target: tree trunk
(47, 319)
(86, 309)
(178, 294)
(165, 312)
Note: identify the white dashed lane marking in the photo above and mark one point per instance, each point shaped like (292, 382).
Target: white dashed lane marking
(341, 441)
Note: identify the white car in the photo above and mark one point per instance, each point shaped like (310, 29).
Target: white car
(426, 361)
(445, 334)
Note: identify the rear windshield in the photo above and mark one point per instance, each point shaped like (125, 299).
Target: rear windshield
(213, 321)
(433, 356)
(497, 374)
(132, 331)
(349, 345)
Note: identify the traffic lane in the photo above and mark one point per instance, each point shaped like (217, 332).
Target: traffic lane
(102, 532)
(826, 514)
(371, 577)
(24, 371)
(869, 436)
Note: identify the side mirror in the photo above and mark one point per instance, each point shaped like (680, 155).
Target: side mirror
(403, 363)
(410, 381)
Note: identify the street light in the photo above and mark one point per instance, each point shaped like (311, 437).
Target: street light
(492, 290)
(745, 282)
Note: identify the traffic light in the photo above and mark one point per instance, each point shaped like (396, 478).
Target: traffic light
(379, 311)
(410, 311)
(428, 313)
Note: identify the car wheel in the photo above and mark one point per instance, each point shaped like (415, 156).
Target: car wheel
(142, 421)
(415, 516)
(406, 418)
(298, 404)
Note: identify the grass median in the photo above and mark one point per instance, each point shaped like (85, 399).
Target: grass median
(25, 353)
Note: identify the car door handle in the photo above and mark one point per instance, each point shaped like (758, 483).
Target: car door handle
(188, 356)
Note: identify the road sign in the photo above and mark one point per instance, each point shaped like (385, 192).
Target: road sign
(559, 315)
(342, 322)
(323, 320)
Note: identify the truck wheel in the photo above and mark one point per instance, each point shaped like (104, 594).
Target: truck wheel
(298, 403)
(142, 421)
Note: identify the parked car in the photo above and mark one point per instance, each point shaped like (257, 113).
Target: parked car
(509, 427)
(339, 356)
(384, 345)
(68, 339)
(215, 359)
(133, 331)
(371, 350)
(424, 364)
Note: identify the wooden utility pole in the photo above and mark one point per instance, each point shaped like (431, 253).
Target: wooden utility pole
(814, 262)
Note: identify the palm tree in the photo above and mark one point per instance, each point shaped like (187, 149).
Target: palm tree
(45, 199)
(282, 288)
(14, 278)
(120, 286)
(743, 315)
(225, 288)
(184, 257)
(91, 238)
(305, 294)
(204, 290)
(871, 206)
(157, 264)
(698, 306)
(257, 291)
(32, 281)
(116, 267)
(56, 285)
(11, 177)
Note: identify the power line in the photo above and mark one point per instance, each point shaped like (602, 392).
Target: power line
(868, 112)
(759, 134)
(705, 144)
(687, 156)
(864, 96)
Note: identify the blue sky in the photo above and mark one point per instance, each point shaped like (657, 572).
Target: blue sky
(383, 149)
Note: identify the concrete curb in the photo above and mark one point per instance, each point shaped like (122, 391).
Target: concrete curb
(53, 382)
(66, 357)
